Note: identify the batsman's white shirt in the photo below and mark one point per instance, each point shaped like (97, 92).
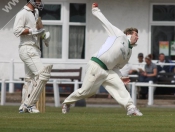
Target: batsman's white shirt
(25, 19)
(115, 52)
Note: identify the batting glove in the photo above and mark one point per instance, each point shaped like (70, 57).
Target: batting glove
(36, 32)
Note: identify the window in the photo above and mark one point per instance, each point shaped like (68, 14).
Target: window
(76, 42)
(54, 50)
(77, 32)
(162, 37)
(77, 12)
(163, 12)
(66, 23)
(52, 14)
(163, 30)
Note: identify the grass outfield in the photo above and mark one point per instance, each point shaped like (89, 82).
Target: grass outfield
(87, 120)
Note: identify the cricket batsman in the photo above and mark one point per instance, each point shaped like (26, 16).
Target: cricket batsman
(103, 68)
(29, 28)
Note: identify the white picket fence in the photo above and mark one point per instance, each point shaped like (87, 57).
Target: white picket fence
(151, 87)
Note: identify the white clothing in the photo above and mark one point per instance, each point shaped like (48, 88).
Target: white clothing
(114, 57)
(25, 19)
(161, 63)
(94, 78)
(139, 65)
(30, 55)
(118, 52)
(29, 51)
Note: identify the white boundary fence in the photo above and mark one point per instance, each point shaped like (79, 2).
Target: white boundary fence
(56, 83)
(151, 87)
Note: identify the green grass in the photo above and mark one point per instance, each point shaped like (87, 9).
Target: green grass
(87, 120)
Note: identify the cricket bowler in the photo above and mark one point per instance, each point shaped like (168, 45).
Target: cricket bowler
(103, 68)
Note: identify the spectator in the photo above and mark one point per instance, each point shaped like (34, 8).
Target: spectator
(140, 65)
(163, 68)
(150, 74)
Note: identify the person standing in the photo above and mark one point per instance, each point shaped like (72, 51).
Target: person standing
(28, 27)
(103, 68)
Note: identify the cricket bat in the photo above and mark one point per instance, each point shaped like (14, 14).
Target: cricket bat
(39, 23)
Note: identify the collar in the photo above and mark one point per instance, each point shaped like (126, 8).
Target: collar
(27, 8)
(129, 45)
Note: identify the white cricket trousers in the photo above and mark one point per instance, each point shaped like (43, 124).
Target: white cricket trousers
(94, 78)
(30, 55)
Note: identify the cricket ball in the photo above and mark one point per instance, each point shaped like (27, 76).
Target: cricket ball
(95, 4)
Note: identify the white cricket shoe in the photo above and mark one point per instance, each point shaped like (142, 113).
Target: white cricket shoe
(23, 109)
(65, 108)
(31, 109)
(134, 112)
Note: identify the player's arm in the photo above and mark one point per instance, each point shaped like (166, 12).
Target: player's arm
(18, 27)
(111, 30)
(25, 32)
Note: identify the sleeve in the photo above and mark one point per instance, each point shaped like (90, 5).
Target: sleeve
(117, 70)
(154, 66)
(19, 23)
(111, 30)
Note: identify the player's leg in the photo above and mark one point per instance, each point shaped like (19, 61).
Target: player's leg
(94, 77)
(41, 81)
(30, 55)
(24, 93)
(27, 87)
(117, 90)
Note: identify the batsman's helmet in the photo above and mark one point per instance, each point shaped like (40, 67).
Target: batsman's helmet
(38, 5)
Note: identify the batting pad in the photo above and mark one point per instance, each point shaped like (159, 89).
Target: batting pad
(25, 89)
(41, 82)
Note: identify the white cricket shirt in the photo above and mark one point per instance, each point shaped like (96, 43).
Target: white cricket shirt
(25, 19)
